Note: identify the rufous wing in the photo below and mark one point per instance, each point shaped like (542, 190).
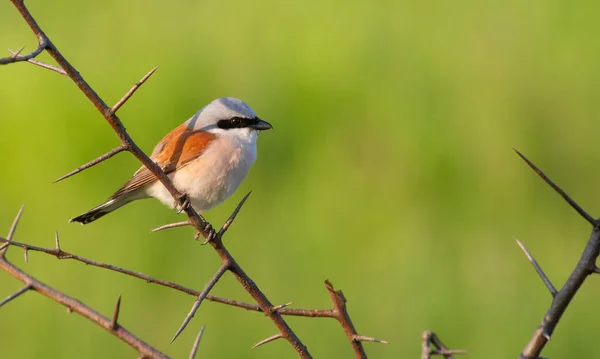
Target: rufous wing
(174, 151)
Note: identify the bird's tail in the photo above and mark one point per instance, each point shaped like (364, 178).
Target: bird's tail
(103, 209)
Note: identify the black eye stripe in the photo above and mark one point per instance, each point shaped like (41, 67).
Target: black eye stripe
(236, 122)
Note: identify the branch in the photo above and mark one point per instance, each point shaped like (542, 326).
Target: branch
(562, 298)
(340, 312)
(17, 57)
(41, 64)
(429, 339)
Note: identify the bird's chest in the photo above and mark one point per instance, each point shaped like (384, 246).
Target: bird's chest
(216, 174)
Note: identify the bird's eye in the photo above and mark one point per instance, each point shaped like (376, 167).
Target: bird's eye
(236, 122)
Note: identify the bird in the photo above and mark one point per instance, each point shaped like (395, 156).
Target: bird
(207, 158)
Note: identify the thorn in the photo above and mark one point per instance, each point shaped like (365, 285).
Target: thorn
(2, 247)
(11, 231)
(69, 310)
(172, 225)
(571, 202)
(362, 338)
(281, 306)
(197, 343)
(26, 254)
(57, 241)
(211, 283)
(115, 317)
(43, 65)
(92, 163)
(15, 223)
(233, 215)
(546, 335)
(16, 53)
(15, 294)
(449, 351)
(538, 269)
(131, 91)
(269, 339)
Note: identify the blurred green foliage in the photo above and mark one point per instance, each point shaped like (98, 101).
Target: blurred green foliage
(390, 170)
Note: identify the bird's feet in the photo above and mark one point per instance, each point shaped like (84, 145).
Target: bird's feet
(210, 233)
(185, 203)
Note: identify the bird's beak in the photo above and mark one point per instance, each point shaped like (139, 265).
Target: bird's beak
(261, 125)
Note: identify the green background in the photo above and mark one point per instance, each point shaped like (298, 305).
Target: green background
(390, 171)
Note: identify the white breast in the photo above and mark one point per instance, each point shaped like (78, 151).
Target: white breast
(212, 177)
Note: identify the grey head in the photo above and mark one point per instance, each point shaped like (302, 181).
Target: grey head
(227, 115)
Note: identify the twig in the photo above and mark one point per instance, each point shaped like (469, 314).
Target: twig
(62, 254)
(16, 57)
(429, 339)
(42, 64)
(197, 343)
(585, 266)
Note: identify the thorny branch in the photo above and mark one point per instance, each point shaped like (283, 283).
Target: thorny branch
(228, 263)
(73, 304)
(561, 298)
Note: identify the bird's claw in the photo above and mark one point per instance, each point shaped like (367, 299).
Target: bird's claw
(185, 204)
(211, 233)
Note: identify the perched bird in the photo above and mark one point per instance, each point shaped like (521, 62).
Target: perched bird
(206, 157)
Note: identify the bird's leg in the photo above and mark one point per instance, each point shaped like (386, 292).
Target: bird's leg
(185, 203)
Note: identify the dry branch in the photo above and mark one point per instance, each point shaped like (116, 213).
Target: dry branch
(561, 298)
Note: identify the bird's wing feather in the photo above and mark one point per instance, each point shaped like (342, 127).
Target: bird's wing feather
(175, 150)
